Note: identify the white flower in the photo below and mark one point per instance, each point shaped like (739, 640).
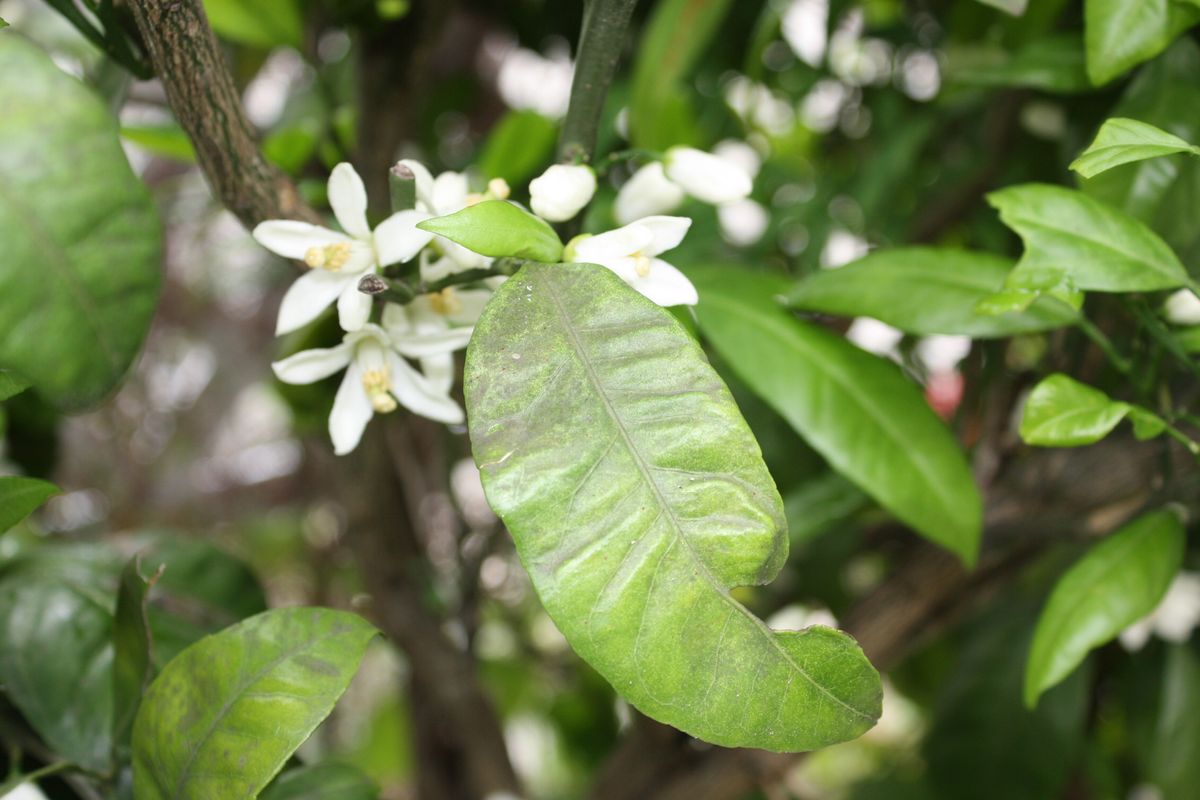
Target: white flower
(446, 194)
(377, 378)
(432, 327)
(647, 193)
(705, 176)
(1183, 308)
(631, 253)
(743, 222)
(1174, 619)
(338, 260)
(562, 191)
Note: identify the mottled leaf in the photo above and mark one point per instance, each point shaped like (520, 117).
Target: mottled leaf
(1121, 141)
(1115, 584)
(1095, 247)
(225, 714)
(859, 411)
(20, 497)
(925, 290)
(498, 228)
(637, 497)
(80, 274)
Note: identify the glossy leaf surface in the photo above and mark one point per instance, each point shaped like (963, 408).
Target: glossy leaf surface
(224, 715)
(1062, 412)
(925, 290)
(1122, 141)
(1115, 584)
(498, 228)
(80, 274)
(859, 411)
(1123, 33)
(637, 497)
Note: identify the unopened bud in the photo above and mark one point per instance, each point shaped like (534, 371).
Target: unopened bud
(562, 191)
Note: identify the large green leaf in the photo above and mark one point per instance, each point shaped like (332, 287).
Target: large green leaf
(80, 273)
(223, 716)
(925, 290)
(1123, 33)
(325, 781)
(56, 656)
(637, 497)
(1118, 582)
(1096, 247)
(859, 411)
(1062, 412)
(675, 38)
(1122, 141)
(259, 23)
(20, 497)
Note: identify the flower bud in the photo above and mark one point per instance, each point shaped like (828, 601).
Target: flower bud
(707, 177)
(647, 194)
(1183, 308)
(562, 191)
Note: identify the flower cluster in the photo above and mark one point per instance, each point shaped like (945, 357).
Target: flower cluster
(405, 355)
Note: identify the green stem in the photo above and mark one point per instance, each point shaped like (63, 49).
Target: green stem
(1120, 362)
(1161, 333)
(632, 154)
(601, 41)
(1183, 439)
(36, 775)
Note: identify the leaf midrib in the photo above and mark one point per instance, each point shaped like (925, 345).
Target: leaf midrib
(647, 476)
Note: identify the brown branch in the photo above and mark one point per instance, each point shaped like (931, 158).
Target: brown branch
(187, 59)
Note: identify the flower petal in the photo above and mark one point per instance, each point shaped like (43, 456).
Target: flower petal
(308, 297)
(439, 372)
(668, 232)
(613, 244)
(396, 320)
(648, 192)
(425, 345)
(418, 395)
(398, 239)
(424, 182)
(666, 286)
(348, 197)
(450, 192)
(351, 412)
(292, 239)
(707, 177)
(472, 302)
(310, 366)
(354, 307)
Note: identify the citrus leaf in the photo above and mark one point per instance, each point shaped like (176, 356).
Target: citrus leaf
(1093, 246)
(80, 275)
(637, 497)
(132, 643)
(322, 782)
(258, 23)
(1062, 412)
(1115, 584)
(498, 228)
(925, 290)
(1121, 34)
(20, 497)
(11, 384)
(859, 411)
(226, 713)
(1121, 141)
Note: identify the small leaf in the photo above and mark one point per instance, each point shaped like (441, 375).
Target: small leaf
(226, 713)
(20, 497)
(1115, 584)
(258, 23)
(3, 24)
(81, 269)
(925, 290)
(637, 497)
(1095, 247)
(1121, 141)
(11, 384)
(1014, 7)
(520, 143)
(858, 411)
(499, 229)
(1121, 34)
(1062, 412)
(132, 643)
(325, 781)
(166, 141)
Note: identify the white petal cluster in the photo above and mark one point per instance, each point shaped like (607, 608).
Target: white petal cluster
(660, 187)
(632, 252)
(561, 192)
(1183, 308)
(408, 358)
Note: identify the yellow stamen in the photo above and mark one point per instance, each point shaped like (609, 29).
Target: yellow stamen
(330, 257)
(377, 383)
(642, 264)
(446, 302)
(498, 188)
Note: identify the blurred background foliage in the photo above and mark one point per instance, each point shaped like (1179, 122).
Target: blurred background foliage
(870, 123)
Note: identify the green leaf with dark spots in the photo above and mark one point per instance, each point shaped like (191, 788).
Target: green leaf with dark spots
(637, 498)
(225, 715)
(499, 229)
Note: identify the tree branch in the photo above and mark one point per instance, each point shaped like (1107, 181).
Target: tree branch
(601, 40)
(187, 59)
